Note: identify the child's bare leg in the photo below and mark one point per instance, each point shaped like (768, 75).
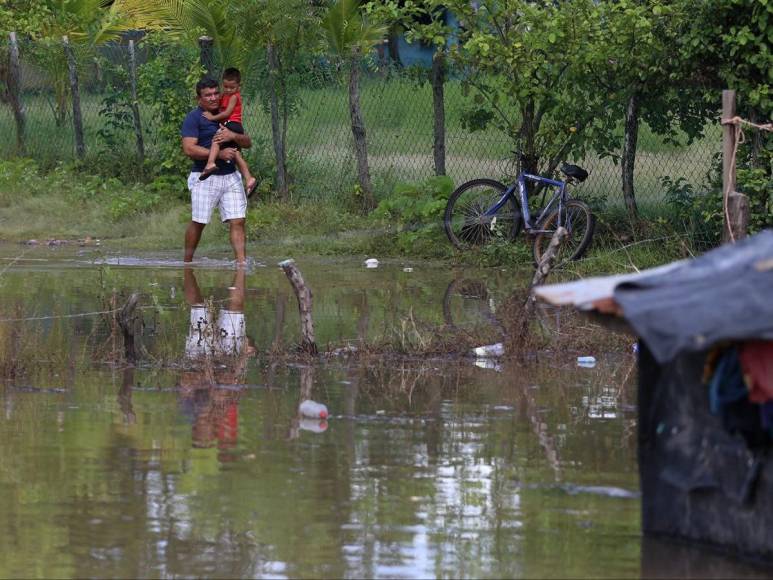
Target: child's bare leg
(245, 171)
(211, 166)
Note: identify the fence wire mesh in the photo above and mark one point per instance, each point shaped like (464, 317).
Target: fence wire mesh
(398, 114)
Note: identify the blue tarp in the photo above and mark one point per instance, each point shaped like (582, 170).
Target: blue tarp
(725, 294)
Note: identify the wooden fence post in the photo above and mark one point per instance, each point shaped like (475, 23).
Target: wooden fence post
(77, 118)
(14, 92)
(735, 204)
(205, 55)
(135, 104)
(303, 293)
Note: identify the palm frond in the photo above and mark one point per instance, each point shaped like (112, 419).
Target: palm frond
(188, 20)
(346, 29)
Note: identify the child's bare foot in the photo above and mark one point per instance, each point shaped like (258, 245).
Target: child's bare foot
(208, 170)
(252, 185)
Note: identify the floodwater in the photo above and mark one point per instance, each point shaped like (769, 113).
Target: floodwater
(195, 461)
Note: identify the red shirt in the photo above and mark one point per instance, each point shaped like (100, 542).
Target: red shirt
(236, 114)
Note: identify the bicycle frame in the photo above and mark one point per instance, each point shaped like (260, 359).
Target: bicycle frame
(523, 198)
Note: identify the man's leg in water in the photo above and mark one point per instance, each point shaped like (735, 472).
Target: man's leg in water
(238, 240)
(192, 237)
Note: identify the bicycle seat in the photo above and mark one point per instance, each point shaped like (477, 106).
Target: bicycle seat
(574, 171)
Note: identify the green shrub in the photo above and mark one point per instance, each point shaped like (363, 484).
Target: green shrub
(701, 214)
(415, 211)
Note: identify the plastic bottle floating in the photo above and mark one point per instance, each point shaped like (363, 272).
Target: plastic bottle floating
(313, 410)
(586, 361)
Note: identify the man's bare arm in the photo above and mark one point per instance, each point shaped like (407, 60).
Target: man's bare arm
(192, 149)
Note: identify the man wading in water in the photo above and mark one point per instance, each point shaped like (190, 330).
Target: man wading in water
(224, 188)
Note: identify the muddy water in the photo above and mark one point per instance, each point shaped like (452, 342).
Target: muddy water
(195, 462)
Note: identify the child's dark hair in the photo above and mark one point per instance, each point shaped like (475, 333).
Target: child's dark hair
(232, 74)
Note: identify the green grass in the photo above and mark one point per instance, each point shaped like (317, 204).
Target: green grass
(398, 117)
(69, 204)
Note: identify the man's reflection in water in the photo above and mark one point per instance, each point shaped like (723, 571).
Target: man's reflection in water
(217, 350)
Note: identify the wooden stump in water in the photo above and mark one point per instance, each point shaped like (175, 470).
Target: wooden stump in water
(303, 294)
(518, 338)
(546, 263)
(126, 322)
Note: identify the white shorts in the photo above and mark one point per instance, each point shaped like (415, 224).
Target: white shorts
(224, 192)
(227, 336)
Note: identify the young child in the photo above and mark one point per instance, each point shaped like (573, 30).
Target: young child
(231, 113)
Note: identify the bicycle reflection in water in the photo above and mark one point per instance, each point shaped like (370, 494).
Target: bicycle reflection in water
(468, 304)
(217, 350)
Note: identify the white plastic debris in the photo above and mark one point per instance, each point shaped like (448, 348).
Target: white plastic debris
(344, 350)
(489, 350)
(313, 425)
(635, 347)
(586, 361)
(487, 363)
(313, 410)
(371, 263)
(407, 269)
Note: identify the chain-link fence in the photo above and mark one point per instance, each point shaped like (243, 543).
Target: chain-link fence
(398, 113)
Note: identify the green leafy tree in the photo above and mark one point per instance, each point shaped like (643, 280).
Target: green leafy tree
(189, 20)
(644, 75)
(349, 34)
(86, 23)
(525, 65)
(729, 41)
(425, 21)
(284, 33)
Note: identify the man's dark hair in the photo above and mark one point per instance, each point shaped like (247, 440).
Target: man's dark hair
(232, 74)
(206, 83)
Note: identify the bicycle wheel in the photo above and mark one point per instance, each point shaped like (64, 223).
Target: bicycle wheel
(465, 221)
(579, 222)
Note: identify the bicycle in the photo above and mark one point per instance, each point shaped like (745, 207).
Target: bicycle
(483, 210)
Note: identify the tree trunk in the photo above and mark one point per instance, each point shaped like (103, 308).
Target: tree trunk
(285, 124)
(358, 132)
(277, 133)
(530, 161)
(135, 104)
(77, 118)
(629, 154)
(206, 56)
(438, 104)
(14, 93)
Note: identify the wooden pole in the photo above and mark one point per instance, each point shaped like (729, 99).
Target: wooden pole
(14, 92)
(206, 57)
(736, 204)
(77, 118)
(135, 103)
(517, 341)
(303, 294)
